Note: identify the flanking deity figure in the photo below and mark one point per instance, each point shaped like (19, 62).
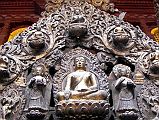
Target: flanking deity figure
(36, 105)
(124, 93)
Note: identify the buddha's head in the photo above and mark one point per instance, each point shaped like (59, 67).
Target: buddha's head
(80, 63)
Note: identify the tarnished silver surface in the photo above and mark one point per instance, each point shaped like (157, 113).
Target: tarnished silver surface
(120, 55)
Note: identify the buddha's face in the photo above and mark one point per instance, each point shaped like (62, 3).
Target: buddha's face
(80, 62)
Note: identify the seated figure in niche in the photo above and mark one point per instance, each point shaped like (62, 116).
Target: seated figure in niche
(81, 84)
(37, 86)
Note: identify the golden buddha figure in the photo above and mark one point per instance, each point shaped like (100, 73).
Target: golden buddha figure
(81, 84)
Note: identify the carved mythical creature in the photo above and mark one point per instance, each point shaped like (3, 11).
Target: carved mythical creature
(124, 88)
(77, 33)
(37, 41)
(153, 70)
(36, 105)
(154, 77)
(81, 84)
(4, 73)
(78, 27)
(119, 38)
(149, 63)
(153, 102)
(149, 94)
(9, 103)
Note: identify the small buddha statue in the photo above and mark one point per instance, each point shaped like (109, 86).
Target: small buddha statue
(81, 84)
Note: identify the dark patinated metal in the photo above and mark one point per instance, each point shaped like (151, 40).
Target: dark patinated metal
(80, 62)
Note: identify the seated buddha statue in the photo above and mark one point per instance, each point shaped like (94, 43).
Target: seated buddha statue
(81, 84)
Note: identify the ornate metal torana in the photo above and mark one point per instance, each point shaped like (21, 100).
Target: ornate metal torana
(80, 62)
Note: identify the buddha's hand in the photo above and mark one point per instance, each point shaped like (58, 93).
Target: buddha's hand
(67, 94)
